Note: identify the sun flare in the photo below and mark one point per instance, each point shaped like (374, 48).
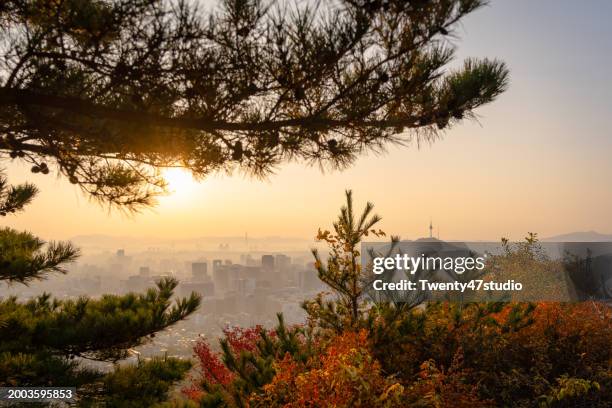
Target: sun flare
(179, 181)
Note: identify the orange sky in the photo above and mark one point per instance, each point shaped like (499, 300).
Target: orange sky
(538, 160)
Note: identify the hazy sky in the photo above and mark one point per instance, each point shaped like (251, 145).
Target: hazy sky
(538, 160)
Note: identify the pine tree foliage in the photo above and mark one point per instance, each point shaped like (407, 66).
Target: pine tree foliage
(23, 257)
(144, 385)
(102, 329)
(101, 90)
(44, 340)
(343, 273)
(252, 368)
(255, 369)
(42, 337)
(18, 368)
(14, 198)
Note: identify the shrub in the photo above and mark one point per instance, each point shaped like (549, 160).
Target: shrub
(342, 374)
(355, 353)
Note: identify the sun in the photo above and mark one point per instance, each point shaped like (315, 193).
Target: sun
(179, 180)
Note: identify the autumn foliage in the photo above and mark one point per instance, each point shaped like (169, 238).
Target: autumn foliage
(520, 355)
(342, 374)
(478, 355)
(211, 367)
(356, 353)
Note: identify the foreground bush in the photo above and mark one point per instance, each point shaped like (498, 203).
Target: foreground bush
(518, 355)
(481, 355)
(343, 374)
(355, 353)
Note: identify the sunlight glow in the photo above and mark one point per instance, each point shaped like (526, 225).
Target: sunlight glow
(179, 181)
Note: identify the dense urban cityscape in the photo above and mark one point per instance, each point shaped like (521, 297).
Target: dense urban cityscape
(238, 288)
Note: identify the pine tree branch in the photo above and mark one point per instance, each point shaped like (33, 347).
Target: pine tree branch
(23, 257)
(153, 82)
(98, 329)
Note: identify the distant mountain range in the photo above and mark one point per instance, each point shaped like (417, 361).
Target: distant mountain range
(585, 236)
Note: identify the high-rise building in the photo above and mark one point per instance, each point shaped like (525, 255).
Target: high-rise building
(245, 286)
(199, 271)
(206, 289)
(223, 275)
(144, 271)
(282, 262)
(248, 260)
(308, 278)
(267, 262)
(216, 264)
